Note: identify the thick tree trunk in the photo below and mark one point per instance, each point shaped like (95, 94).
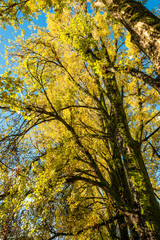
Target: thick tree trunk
(145, 213)
(143, 26)
(123, 228)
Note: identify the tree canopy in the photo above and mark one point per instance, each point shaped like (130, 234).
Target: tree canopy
(143, 25)
(79, 136)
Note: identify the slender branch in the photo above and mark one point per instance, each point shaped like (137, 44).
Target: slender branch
(11, 6)
(154, 150)
(87, 180)
(156, 115)
(153, 82)
(57, 234)
(79, 106)
(150, 135)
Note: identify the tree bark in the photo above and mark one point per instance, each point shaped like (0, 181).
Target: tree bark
(145, 210)
(143, 26)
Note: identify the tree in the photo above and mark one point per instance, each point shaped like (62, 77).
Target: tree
(81, 136)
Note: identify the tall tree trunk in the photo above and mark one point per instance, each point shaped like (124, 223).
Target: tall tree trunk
(123, 228)
(145, 213)
(144, 27)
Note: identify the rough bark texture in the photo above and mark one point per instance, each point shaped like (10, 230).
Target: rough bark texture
(143, 26)
(145, 212)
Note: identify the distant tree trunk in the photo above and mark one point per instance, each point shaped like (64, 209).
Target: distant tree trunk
(143, 26)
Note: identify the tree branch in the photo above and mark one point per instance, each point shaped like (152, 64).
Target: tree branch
(150, 135)
(96, 226)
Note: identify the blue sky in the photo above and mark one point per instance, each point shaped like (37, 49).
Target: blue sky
(9, 33)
